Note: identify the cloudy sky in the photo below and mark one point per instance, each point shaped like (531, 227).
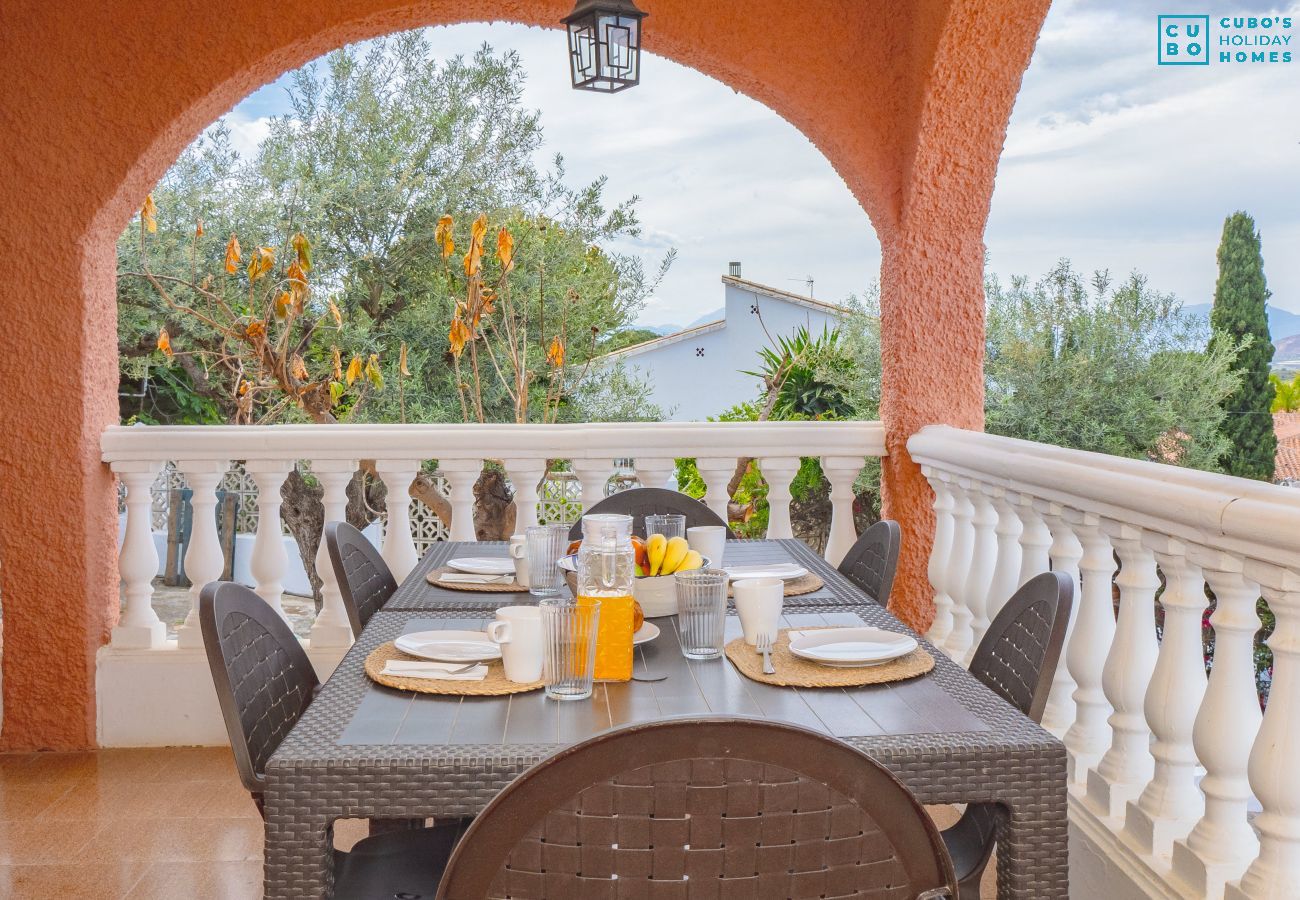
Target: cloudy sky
(1110, 160)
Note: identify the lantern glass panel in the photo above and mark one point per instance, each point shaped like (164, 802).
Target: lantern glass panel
(605, 50)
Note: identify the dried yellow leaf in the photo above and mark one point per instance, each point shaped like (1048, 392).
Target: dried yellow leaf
(233, 253)
(505, 248)
(165, 343)
(354, 370)
(149, 214)
(555, 353)
(401, 362)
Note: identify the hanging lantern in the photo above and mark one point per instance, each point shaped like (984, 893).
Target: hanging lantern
(604, 45)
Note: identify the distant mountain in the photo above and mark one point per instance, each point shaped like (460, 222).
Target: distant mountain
(1281, 324)
(1287, 349)
(673, 327)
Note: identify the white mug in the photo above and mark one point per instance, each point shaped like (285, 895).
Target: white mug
(519, 553)
(758, 603)
(709, 541)
(518, 629)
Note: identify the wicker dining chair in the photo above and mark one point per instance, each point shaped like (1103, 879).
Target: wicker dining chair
(1017, 660)
(365, 580)
(703, 807)
(264, 682)
(641, 502)
(871, 562)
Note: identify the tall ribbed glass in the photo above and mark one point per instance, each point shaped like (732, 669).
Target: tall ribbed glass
(569, 647)
(701, 612)
(545, 545)
(670, 525)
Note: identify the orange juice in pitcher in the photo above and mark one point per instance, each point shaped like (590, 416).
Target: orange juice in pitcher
(605, 569)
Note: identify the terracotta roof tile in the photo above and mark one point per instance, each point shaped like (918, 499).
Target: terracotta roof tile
(1288, 460)
(1286, 425)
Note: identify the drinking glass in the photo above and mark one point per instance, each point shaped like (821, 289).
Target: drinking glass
(569, 647)
(669, 525)
(546, 545)
(701, 612)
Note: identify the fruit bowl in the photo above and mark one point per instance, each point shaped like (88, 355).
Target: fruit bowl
(657, 594)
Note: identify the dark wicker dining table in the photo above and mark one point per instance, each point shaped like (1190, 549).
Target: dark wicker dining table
(366, 751)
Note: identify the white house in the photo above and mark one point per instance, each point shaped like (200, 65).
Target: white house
(696, 373)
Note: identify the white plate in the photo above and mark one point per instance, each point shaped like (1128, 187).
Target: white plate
(449, 646)
(851, 647)
(784, 571)
(483, 565)
(645, 634)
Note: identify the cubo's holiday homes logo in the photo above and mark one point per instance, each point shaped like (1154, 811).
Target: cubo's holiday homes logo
(1187, 40)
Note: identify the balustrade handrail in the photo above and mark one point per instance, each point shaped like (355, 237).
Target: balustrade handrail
(144, 443)
(1250, 518)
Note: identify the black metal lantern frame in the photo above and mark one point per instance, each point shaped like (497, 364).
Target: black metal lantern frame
(605, 45)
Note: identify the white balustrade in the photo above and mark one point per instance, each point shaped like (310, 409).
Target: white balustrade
(1126, 766)
(269, 556)
(1275, 873)
(984, 557)
(1222, 843)
(525, 476)
(717, 473)
(1065, 553)
(331, 628)
(778, 472)
(940, 553)
(962, 637)
(1094, 632)
(1145, 722)
(397, 474)
(655, 472)
(593, 474)
(1170, 804)
(204, 560)
(1006, 574)
(841, 472)
(139, 626)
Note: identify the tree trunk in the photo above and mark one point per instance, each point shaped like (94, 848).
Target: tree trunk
(304, 514)
(494, 507)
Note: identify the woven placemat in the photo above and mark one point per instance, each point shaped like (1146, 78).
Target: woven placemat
(494, 685)
(791, 671)
(804, 584)
(497, 587)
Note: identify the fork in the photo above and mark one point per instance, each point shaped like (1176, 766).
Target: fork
(764, 646)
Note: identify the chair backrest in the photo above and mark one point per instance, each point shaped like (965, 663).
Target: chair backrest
(753, 808)
(1018, 655)
(365, 581)
(263, 678)
(871, 562)
(641, 502)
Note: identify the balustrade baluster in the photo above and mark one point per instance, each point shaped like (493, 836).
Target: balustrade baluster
(1006, 573)
(1035, 542)
(593, 475)
(778, 472)
(655, 473)
(1065, 553)
(204, 560)
(399, 546)
(269, 559)
(841, 472)
(461, 474)
(139, 627)
(331, 628)
(717, 478)
(984, 553)
(1275, 873)
(1094, 634)
(525, 476)
(962, 636)
(1126, 766)
(940, 552)
(1171, 804)
(1222, 844)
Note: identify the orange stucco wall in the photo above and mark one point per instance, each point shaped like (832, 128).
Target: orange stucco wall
(909, 101)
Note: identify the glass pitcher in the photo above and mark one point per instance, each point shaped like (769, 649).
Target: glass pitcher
(605, 568)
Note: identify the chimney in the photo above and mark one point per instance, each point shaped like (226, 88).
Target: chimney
(733, 269)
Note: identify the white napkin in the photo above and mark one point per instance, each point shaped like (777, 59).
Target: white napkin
(467, 578)
(409, 668)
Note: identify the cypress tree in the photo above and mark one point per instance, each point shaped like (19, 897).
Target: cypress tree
(1240, 309)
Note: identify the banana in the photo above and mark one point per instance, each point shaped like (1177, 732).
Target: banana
(693, 560)
(674, 554)
(654, 551)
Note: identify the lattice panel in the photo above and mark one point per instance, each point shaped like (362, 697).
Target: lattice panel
(559, 500)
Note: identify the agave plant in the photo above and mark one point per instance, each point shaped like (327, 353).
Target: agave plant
(793, 379)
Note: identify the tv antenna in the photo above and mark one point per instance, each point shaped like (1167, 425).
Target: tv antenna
(807, 280)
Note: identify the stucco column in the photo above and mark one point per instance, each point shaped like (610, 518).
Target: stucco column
(932, 349)
(58, 517)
